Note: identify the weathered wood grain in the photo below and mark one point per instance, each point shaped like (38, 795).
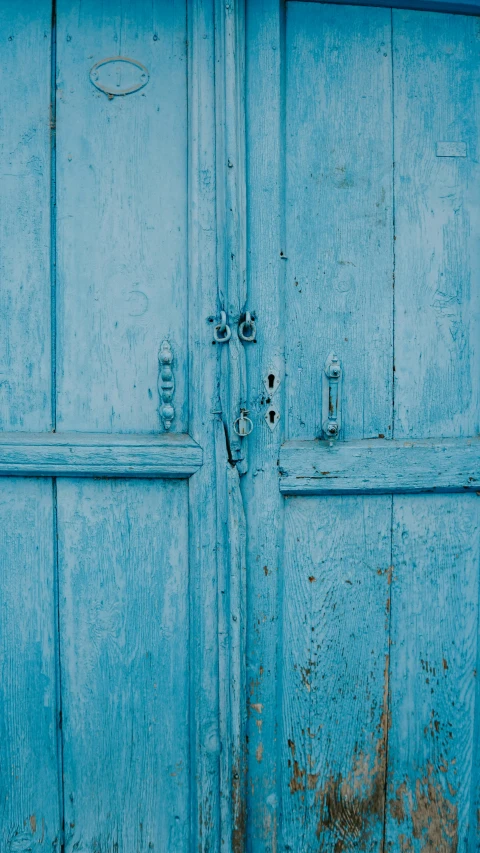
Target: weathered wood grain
(122, 217)
(335, 672)
(339, 248)
(124, 614)
(380, 466)
(25, 343)
(262, 501)
(29, 784)
(97, 455)
(203, 398)
(437, 226)
(432, 754)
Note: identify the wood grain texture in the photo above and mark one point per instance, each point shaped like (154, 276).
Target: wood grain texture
(335, 672)
(122, 217)
(29, 801)
(97, 455)
(25, 356)
(231, 568)
(339, 248)
(231, 211)
(203, 397)
(437, 225)
(123, 570)
(262, 501)
(376, 467)
(432, 754)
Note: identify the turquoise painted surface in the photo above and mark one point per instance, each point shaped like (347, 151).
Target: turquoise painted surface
(192, 657)
(363, 630)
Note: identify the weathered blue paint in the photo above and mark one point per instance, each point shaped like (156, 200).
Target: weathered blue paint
(109, 649)
(362, 643)
(203, 648)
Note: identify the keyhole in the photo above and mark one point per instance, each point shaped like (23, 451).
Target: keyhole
(271, 380)
(271, 415)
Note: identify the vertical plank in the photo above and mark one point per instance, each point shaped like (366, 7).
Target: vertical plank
(432, 754)
(437, 225)
(123, 569)
(25, 357)
(29, 793)
(263, 503)
(203, 398)
(339, 214)
(335, 678)
(122, 216)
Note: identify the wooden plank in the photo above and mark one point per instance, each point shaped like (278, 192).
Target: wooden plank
(29, 781)
(203, 398)
(25, 348)
(262, 501)
(465, 7)
(339, 216)
(335, 672)
(97, 455)
(231, 210)
(123, 570)
(432, 755)
(122, 216)
(231, 562)
(314, 468)
(437, 222)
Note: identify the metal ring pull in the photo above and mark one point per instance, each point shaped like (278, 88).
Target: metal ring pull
(222, 332)
(245, 425)
(248, 323)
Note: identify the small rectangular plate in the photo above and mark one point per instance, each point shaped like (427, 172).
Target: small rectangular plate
(451, 149)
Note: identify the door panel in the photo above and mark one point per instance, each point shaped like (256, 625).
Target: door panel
(336, 596)
(125, 636)
(25, 345)
(338, 213)
(434, 654)
(29, 773)
(437, 225)
(121, 166)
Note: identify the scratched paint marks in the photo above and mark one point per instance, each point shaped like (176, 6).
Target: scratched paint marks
(25, 362)
(123, 568)
(335, 679)
(432, 754)
(437, 216)
(122, 214)
(30, 819)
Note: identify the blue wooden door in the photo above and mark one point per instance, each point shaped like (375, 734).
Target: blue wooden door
(102, 629)
(211, 641)
(363, 190)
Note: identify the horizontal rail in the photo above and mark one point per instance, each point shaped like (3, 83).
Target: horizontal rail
(379, 466)
(98, 455)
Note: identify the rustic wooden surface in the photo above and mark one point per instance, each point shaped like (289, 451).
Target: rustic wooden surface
(380, 466)
(121, 217)
(123, 572)
(99, 455)
(30, 777)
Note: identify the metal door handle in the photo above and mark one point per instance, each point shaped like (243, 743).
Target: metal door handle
(332, 398)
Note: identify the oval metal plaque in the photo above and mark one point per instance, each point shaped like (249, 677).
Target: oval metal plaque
(119, 75)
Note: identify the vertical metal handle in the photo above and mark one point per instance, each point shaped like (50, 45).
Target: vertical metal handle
(332, 398)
